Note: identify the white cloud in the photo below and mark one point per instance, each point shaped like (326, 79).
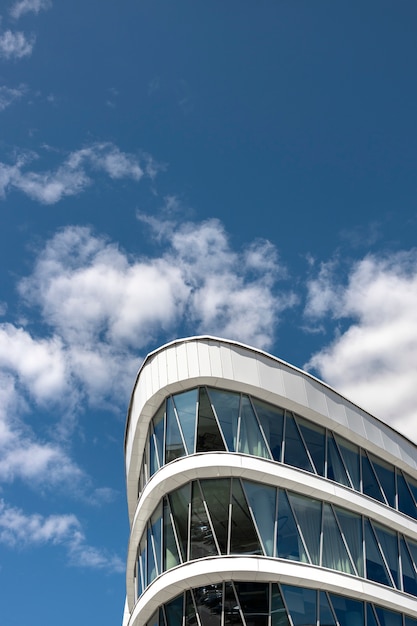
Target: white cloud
(374, 361)
(73, 175)
(8, 95)
(15, 45)
(21, 529)
(21, 7)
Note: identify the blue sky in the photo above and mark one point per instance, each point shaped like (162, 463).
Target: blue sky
(243, 169)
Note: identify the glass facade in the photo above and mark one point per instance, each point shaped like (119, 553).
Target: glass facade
(208, 420)
(367, 556)
(214, 517)
(271, 604)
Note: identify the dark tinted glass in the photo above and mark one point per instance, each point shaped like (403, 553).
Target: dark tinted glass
(335, 468)
(405, 500)
(314, 437)
(178, 501)
(348, 612)
(208, 434)
(254, 602)
(217, 496)
(302, 604)
(271, 419)
(186, 405)
(375, 568)
(201, 534)
(244, 539)
(386, 476)
(294, 449)
(289, 544)
(174, 447)
(226, 405)
(209, 601)
(370, 484)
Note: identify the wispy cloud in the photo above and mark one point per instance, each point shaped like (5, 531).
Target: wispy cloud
(21, 7)
(74, 174)
(8, 95)
(373, 358)
(15, 45)
(22, 529)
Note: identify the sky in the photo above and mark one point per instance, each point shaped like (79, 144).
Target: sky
(240, 169)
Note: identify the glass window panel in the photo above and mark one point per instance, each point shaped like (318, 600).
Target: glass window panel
(190, 612)
(174, 611)
(301, 604)
(389, 544)
(271, 419)
(209, 602)
(351, 525)
(201, 534)
(308, 514)
(335, 555)
(370, 484)
(171, 556)
(244, 539)
(262, 501)
(370, 616)
(208, 434)
(386, 476)
(412, 547)
(405, 501)
(186, 405)
(251, 440)
(142, 581)
(294, 449)
(254, 602)
(178, 501)
(388, 618)
(335, 468)
(156, 529)
(326, 617)
(351, 458)
(226, 405)
(279, 615)
(409, 573)
(289, 544)
(409, 621)
(232, 613)
(151, 569)
(174, 445)
(348, 612)
(314, 437)
(216, 493)
(158, 435)
(412, 485)
(375, 568)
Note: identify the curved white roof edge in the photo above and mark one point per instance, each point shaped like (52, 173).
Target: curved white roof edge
(264, 353)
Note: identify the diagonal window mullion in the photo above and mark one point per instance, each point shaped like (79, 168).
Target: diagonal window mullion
(258, 421)
(377, 478)
(216, 417)
(298, 527)
(342, 460)
(352, 561)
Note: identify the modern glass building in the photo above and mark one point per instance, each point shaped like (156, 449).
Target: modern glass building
(258, 496)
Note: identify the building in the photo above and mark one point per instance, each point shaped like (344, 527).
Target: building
(258, 496)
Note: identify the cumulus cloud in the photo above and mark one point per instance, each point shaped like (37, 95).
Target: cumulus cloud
(8, 95)
(21, 7)
(19, 528)
(15, 45)
(373, 361)
(74, 174)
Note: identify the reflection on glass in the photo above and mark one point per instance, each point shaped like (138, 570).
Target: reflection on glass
(294, 449)
(186, 405)
(209, 438)
(301, 604)
(308, 514)
(226, 405)
(326, 617)
(348, 612)
(262, 501)
(174, 612)
(250, 437)
(243, 538)
(178, 501)
(216, 493)
(279, 615)
(289, 544)
(351, 525)
(171, 556)
(209, 602)
(335, 468)
(386, 477)
(174, 445)
(254, 602)
(232, 613)
(201, 534)
(405, 499)
(370, 616)
(335, 555)
(271, 419)
(375, 568)
(409, 574)
(351, 458)
(314, 437)
(388, 618)
(370, 484)
(389, 544)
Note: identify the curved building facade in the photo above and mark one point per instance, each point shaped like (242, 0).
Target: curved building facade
(258, 496)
